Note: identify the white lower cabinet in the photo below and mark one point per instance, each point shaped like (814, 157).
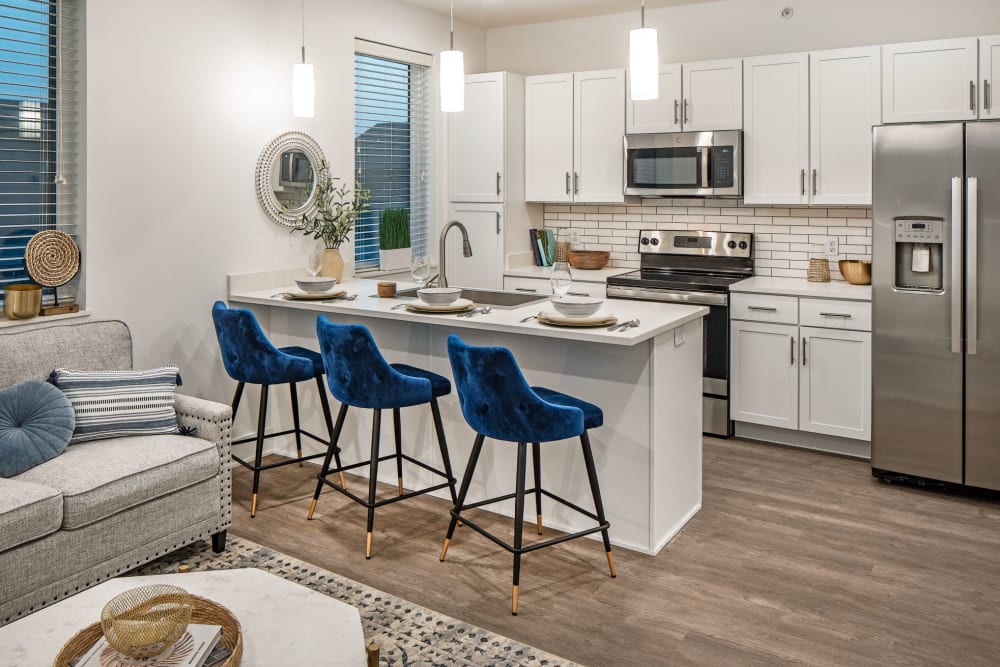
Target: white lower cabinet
(835, 390)
(765, 374)
(542, 286)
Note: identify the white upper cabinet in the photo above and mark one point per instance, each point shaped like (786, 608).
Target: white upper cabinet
(930, 81)
(695, 97)
(713, 96)
(662, 114)
(476, 164)
(776, 122)
(548, 138)
(845, 103)
(484, 222)
(574, 124)
(989, 72)
(599, 126)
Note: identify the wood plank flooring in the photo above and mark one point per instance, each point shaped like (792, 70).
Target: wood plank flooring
(795, 557)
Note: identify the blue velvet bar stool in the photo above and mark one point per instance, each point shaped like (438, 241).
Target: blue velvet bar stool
(250, 358)
(360, 377)
(498, 403)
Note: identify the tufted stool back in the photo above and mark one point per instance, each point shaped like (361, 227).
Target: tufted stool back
(249, 356)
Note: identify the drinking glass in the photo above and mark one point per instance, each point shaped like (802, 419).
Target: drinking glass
(314, 260)
(421, 270)
(561, 278)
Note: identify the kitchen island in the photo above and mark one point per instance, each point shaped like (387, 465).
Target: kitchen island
(647, 380)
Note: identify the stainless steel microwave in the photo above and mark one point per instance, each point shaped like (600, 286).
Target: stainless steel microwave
(684, 164)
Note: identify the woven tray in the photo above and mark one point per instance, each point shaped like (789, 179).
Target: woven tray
(205, 612)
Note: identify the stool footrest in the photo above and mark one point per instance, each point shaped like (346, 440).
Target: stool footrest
(291, 431)
(531, 547)
(386, 501)
(251, 466)
(527, 492)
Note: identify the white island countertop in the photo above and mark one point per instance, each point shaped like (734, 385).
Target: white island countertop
(654, 318)
(835, 289)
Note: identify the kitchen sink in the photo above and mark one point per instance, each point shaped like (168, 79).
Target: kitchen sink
(485, 297)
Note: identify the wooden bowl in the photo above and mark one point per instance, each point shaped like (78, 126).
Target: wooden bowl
(589, 259)
(856, 271)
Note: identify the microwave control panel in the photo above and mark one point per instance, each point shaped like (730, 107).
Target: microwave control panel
(722, 166)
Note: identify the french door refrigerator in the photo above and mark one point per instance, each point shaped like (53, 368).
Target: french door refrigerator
(936, 303)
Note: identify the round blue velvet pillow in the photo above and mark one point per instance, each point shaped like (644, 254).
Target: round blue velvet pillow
(36, 423)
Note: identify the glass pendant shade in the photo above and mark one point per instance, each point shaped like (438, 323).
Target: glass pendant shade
(643, 64)
(452, 81)
(303, 91)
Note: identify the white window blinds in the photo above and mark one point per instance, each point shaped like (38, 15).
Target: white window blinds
(391, 143)
(39, 126)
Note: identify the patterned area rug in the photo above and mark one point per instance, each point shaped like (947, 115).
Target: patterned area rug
(409, 635)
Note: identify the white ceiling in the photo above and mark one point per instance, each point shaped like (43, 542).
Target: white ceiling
(497, 13)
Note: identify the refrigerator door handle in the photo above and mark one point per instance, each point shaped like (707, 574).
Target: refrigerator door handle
(956, 265)
(972, 263)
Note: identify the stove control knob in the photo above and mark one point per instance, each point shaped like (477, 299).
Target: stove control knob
(731, 245)
(644, 241)
(744, 245)
(654, 241)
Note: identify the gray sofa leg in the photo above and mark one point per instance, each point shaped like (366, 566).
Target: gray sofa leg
(219, 542)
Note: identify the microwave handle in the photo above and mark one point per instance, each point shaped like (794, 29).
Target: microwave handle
(705, 156)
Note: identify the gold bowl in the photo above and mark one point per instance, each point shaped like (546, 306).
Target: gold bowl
(856, 271)
(22, 302)
(143, 622)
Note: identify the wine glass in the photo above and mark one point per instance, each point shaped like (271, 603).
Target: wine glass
(420, 269)
(561, 278)
(314, 260)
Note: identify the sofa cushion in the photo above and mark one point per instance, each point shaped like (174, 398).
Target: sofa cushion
(36, 423)
(27, 511)
(87, 345)
(103, 477)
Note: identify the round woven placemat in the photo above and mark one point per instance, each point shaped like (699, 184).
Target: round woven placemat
(205, 612)
(52, 258)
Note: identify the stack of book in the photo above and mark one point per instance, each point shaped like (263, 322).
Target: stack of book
(198, 647)
(543, 245)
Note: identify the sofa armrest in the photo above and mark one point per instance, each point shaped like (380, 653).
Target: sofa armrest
(213, 422)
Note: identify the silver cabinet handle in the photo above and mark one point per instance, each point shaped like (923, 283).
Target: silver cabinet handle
(846, 316)
(567, 182)
(804, 339)
(576, 183)
(987, 95)
(677, 121)
(972, 96)
(802, 181)
(814, 183)
(792, 348)
(577, 294)
(684, 116)
(972, 264)
(526, 289)
(498, 182)
(956, 265)
(498, 222)
(766, 309)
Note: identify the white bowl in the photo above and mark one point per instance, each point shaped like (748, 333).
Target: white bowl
(439, 296)
(315, 285)
(576, 306)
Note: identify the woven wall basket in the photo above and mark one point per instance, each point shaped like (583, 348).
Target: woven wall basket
(52, 258)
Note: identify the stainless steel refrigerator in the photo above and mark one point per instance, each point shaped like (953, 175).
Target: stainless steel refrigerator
(936, 303)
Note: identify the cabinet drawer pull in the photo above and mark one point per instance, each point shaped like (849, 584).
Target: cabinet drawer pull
(577, 294)
(972, 96)
(526, 289)
(846, 316)
(677, 120)
(766, 309)
(792, 349)
(804, 339)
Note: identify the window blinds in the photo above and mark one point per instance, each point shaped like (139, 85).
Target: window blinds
(39, 125)
(392, 143)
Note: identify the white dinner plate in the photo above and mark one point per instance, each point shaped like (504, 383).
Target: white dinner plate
(457, 306)
(299, 295)
(598, 319)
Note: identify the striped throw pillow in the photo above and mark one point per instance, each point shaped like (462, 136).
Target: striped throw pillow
(112, 404)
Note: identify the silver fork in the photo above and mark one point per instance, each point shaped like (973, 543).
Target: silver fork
(484, 310)
(624, 325)
(398, 306)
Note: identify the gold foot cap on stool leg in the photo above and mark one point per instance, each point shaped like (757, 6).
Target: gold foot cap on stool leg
(400, 486)
(253, 506)
(444, 549)
(312, 508)
(611, 564)
(368, 546)
(513, 602)
(539, 524)
(343, 482)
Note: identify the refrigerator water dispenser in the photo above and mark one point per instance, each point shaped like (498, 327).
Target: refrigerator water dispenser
(919, 254)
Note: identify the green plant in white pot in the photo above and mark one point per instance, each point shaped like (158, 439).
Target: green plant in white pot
(394, 239)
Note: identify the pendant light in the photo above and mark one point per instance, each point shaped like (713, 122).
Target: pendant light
(303, 81)
(643, 61)
(452, 74)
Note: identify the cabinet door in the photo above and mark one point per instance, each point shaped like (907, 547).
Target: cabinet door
(548, 138)
(765, 374)
(713, 95)
(662, 114)
(989, 72)
(485, 268)
(598, 149)
(846, 101)
(835, 382)
(776, 120)
(477, 141)
(928, 81)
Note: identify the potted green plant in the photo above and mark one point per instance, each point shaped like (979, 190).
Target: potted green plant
(337, 211)
(394, 239)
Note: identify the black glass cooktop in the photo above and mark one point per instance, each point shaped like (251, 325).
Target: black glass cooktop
(661, 279)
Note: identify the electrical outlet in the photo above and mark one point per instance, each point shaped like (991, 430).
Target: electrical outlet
(679, 337)
(832, 246)
(574, 237)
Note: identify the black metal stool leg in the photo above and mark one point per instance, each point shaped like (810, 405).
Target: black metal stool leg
(261, 425)
(330, 453)
(237, 396)
(466, 481)
(522, 451)
(443, 444)
(334, 436)
(373, 480)
(295, 420)
(536, 464)
(595, 489)
(397, 431)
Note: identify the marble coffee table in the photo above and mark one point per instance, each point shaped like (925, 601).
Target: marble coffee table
(283, 623)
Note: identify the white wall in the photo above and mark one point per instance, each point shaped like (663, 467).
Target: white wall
(181, 97)
(733, 28)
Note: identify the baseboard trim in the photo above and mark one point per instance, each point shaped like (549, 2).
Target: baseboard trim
(830, 444)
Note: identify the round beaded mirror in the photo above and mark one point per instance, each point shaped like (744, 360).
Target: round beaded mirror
(286, 177)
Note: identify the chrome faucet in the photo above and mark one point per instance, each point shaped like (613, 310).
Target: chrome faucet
(466, 249)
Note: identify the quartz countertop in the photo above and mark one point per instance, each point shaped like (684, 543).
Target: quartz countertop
(579, 275)
(835, 289)
(655, 318)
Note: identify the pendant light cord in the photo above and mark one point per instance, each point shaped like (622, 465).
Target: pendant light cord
(303, 31)
(642, 13)
(451, 42)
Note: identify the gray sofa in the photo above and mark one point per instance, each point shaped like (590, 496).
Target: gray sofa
(106, 506)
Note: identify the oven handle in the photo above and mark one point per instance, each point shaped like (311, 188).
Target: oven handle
(647, 294)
